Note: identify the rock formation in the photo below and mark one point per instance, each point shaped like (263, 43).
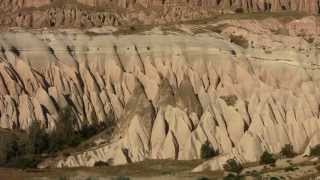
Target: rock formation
(243, 85)
(90, 13)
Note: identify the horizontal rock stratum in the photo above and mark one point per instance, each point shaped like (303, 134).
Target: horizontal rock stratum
(243, 85)
(90, 13)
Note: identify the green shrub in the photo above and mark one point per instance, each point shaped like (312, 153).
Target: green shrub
(290, 168)
(310, 40)
(233, 166)
(267, 158)
(23, 150)
(239, 10)
(287, 151)
(65, 134)
(232, 177)
(315, 151)
(38, 138)
(91, 178)
(207, 151)
(239, 40)
(63, 178)
(274, 178)
(230, 99)
(15, 50)
(101, 164)
(51, 51)
(202, 178)
(23, 162)
(70, 50)
(121, 178)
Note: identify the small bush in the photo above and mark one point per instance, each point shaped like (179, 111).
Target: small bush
(274, 178)
(23, 162)
(230, 99)
(15, 51)
(202, 178)
(290, 168)
(121, 178)
(232, 177)
(70, 50)
(101, 164)
(51, 51)
(63, 178)
(207, 151)
(132, 28)
(239, 10)
(26, 150)
(287, 151)
(38, 138)
(315, 151)
(91, 178)
(267, 158)
(239, 40)
(233, 166)
(310, 40)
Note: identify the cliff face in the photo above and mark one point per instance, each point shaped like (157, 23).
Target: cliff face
(310, 6)
(250, 88)
(89, 13)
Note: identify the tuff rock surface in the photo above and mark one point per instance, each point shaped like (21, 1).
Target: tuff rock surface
(92, 13)
(243, 85)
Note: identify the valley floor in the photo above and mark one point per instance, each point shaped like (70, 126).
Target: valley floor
(168, 170)
(150, 169)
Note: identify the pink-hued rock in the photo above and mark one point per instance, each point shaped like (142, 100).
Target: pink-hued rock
(169, 91)
(81, 13)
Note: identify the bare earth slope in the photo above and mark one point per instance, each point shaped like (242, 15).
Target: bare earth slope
(89, 13)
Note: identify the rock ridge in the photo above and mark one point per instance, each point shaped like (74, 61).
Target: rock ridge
(243, 85)
(95, 13)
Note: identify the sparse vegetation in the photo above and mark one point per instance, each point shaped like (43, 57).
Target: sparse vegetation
(63, 178)
(91, 178)
(25, 150)
(70, 50)
(290, 168)
(15, 50)
(202, 178)
(101, 164)
(315, 151)
(287, 151)
(132, 28)
(267, 158)
(239, 40)
(65, 136)
(233, 166)
(207, 151)
(232, 176)
(230, 99)
(274, 178)
(51, 51)
(121, 178)
(310, 40)
(239, 10)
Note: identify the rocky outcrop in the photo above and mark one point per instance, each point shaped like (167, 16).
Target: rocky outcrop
(95, 13)
(12, 6)
(250, 88)
(310, 6)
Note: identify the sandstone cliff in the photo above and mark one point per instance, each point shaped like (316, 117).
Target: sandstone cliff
(244, 85)
(89, 13)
